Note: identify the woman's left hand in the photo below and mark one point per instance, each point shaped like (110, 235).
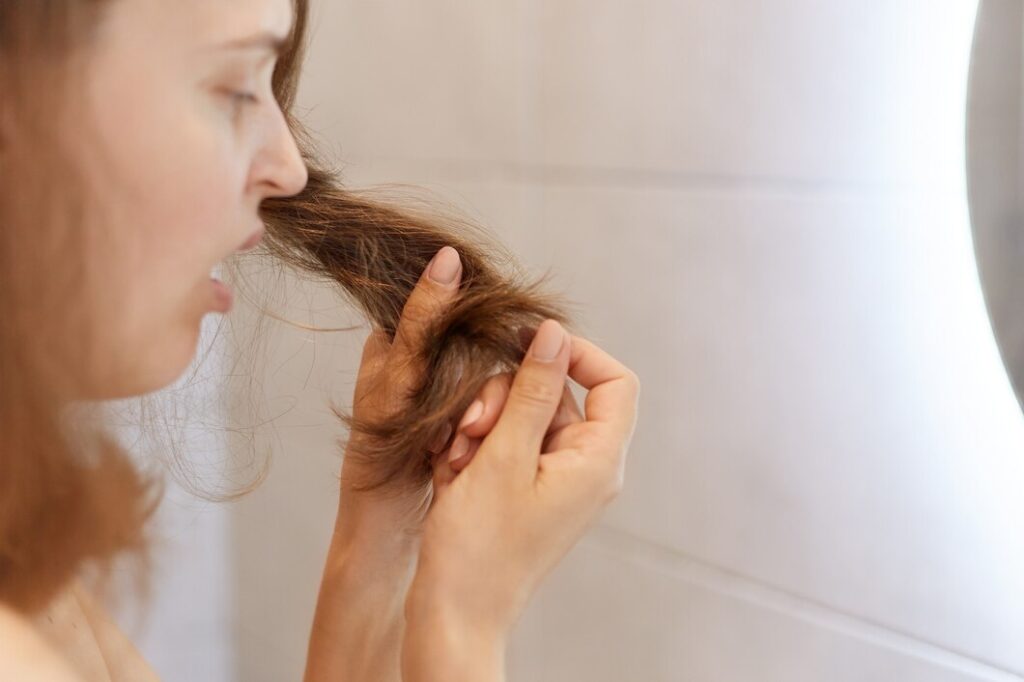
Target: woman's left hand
(359, 619)
(387, 371)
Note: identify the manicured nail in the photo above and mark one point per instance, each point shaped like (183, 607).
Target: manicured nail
(472, 414)
(445, 265)
(549, 340)
(460, 446)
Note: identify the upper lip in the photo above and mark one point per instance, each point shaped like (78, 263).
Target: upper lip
(253, 240)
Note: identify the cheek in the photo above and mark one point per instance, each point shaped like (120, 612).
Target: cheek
(176, 191)
(198, 191)
(166, 178)
(184, 213)
(188, 190)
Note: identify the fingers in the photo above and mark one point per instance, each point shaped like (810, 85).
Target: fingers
(568, 413)
(374, 358)
(536, 392)
(613, 392)
(436, 289)
(479, 418)
(478, 421)
(612, 388)
(568, 410)
(375, 349)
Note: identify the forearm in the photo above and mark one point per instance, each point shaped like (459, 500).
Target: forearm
(359, 622)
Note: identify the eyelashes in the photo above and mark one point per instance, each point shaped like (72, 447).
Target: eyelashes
(239, 101)
(242, 97)
(246, 89)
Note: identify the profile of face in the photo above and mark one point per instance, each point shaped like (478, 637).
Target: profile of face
(187, 140)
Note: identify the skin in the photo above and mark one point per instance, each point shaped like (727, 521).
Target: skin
(517, 508)
(182, 161)
(183, 140)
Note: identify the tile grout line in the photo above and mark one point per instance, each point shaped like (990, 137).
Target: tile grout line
(744, 588)
(456, 170)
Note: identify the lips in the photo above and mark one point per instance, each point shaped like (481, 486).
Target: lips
(223, 297)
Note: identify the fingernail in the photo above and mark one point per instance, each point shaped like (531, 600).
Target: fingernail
(472, 414)
(445, 265)
(549, 340)
(460, 446)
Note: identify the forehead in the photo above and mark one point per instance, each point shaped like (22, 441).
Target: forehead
(200, 23)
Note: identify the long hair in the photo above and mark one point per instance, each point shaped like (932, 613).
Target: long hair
(72, 496)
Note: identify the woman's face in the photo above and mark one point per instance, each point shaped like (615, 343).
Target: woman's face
(183, 139)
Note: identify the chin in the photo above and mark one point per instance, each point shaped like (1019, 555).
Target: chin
(164, 363)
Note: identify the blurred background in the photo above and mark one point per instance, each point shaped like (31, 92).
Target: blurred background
(762, 209)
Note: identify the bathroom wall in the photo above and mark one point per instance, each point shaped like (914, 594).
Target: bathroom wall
(761, 209)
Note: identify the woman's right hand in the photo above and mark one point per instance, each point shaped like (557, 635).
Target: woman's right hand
(496, 529)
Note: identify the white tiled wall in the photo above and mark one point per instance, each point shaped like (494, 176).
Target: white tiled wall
(760, 207)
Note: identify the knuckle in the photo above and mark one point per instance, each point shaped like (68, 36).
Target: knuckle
(416, 312)
(633, 379)
(535, 392)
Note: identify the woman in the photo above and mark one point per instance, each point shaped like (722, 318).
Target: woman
(144, 141)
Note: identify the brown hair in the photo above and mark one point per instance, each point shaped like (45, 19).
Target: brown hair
(70, 497)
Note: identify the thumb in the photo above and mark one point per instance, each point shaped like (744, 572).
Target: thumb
(532, 402)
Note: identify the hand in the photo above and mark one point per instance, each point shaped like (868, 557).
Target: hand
(477, 422)
(359, 621)
(526, 497)
(387, 371)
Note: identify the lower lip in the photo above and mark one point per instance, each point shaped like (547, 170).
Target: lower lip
(222, 296)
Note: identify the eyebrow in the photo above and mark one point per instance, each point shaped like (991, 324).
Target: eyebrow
(264, 40)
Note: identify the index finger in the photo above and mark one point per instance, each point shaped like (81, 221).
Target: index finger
(613, 389)
(427, 299)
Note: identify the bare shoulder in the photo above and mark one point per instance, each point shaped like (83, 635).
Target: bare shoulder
(25, 654)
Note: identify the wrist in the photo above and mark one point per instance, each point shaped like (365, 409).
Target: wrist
(467, 600)
(372, 533)
(440, 643)
(390, 512)
(357, 557)
(359, 623)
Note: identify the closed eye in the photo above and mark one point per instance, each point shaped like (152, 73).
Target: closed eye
(243, 97)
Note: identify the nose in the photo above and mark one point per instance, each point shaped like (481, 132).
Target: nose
(278, 169)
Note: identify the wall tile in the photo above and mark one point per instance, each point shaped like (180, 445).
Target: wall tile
(805, 92)
(823, 407)
(606, 617)
(439, 80)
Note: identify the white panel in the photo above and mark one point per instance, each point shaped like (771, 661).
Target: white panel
(823, 406)
(414, 80)
(609, 613)
(803, 91)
